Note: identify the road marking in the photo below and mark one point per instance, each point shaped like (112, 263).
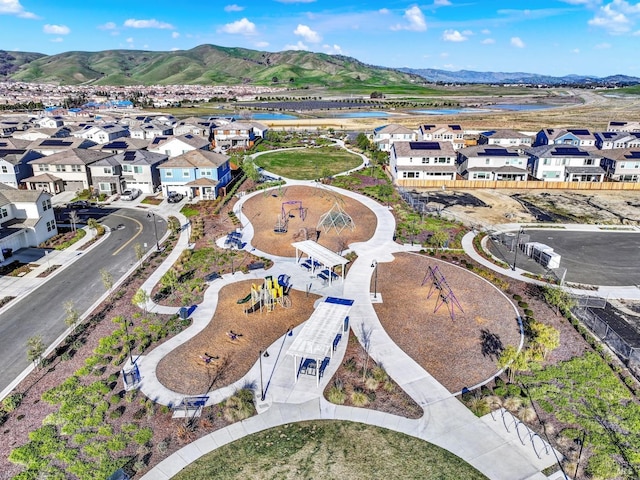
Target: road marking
(132, 238)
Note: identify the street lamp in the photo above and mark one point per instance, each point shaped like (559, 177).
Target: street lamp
(127, 341)
(374, 265)
(155, 228)
(515, 257)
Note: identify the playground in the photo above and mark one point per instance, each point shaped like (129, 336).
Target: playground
(459, 343)
(230, 344)
(292, 214)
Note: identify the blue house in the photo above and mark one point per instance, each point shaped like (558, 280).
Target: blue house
(197, 173)
(14, 164)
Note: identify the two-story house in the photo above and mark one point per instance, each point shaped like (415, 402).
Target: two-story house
(198, 173)
(174, 146)
(14, 165)
(442, 133)
(557, 163)
(102, 133)
(233, 135)
(55, 121)
(422, 161)
(505, 137)
(195, 126)
(122, 145)
(622, 165)
(34, 134)
(26, 218)
(127, 170)
(51, 146)
(385, 136)
(150, 130)
(484, 162)
(623, 126)
(69, 167)
(609, 140)
(577, 137)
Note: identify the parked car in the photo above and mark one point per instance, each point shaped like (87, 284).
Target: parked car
(130, 194)
(174, 197)
(79, 204)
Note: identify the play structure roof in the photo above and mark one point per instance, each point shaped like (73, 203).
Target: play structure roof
(322, 254)
(315, 340)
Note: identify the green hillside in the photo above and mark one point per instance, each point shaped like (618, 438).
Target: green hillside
(10, 62)
(207, 64)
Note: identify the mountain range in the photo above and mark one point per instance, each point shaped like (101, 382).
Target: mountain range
(215, 65)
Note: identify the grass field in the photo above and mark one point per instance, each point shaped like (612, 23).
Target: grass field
(308, 164)
(329, 449)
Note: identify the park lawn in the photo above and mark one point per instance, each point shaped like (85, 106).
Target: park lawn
(329, 449)
(308, 163)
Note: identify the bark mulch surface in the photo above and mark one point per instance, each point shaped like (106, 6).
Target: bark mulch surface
(263, 210)
(183, 369)
(460, 352)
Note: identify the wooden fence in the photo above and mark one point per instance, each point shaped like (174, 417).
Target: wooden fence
(517, 185)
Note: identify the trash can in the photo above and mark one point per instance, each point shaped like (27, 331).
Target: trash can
(7, 252)
(183, 313)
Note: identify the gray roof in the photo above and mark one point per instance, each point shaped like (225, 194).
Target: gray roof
(441, 167)
(14, 195)
(622, 154)
(191, 140)
(422, 149)
(133, 157)
(14, 143)
(197, 159)
(393, 129)
(504, 134)
(547, 151)
(491, 151)
(585, 169)
(74, 156)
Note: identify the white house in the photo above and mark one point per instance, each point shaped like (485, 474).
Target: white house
(484, 162)
(195, 126)
(504, 137)
(443, 133)
(26, 218)
(127, 170)
(234, 135)
(565, 164)
(623, 126)
(609, 140)
(51, 146)
(174, 146)
(577, 137)
(150, 130)
(622, 165)
(384, 137)
(422, 161)
(102, 133)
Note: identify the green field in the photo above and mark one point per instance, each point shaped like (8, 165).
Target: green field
(329, 449)
(308, 163)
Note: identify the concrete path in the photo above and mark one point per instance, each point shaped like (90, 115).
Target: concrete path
(494, 450)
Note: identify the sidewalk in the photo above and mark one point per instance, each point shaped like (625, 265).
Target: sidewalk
(446, 421)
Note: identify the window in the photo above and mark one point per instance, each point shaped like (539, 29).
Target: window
(425, 161)
(481, 176)
(167, 152)
(442, 160)
(104, 187)
(410, 174)
(76, 168)
(206, 172)
(186, 173)
(60, 168)
(51, 225)
(46, 205)
(168, 173)
(546, 161)
(589, 161)
(487, 161)
(107, 170)
(44, 168)
(4, 213)
(126, 168)
(137, 169)
(4, 169)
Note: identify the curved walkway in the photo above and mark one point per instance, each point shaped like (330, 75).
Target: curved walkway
(482, 442)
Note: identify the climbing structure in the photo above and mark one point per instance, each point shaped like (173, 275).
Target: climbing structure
(438, 284)
(337, 219)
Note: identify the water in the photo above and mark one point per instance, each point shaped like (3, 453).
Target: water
(449, 111)
(520, 107)
(268, 116)
(357, 115)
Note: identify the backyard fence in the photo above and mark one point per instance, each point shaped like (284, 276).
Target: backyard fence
(516, 185)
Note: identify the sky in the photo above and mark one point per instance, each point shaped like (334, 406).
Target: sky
(553, 37)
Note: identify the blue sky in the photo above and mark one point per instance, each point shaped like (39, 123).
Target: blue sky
(556, 37)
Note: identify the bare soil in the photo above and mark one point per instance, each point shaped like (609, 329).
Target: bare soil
(263, 210)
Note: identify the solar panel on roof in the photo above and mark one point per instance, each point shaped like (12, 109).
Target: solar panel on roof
(128, 156)
(116, 145)
(455, 127)
(632, 155)
(579, 131)
(428, 127)
(55, 143)
(424, 145)
(569, 151)
(618, 124)
(499, 152)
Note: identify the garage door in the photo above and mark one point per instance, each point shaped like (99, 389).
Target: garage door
(73, 186)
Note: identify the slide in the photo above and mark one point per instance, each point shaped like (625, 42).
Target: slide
(245, 299)
(254, 308)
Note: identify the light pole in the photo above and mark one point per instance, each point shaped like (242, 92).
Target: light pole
(155, 228)
(515, 257)
(126, 332)
(374, 265)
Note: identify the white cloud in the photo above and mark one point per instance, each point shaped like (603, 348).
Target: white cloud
(617, 17)
(415, 20)
(297, 46)
(13, 7)
(441, 3)
(384, 11)
(485, 31)
(453, 36)
(56, 29)
(151, 23)
(587, 3)
(295, 1)
(175, 49)
(233, 8)
(488, 41)
(175, 35)
(262, 44)
(576, 51)
(602, 46)
(444, 54)
(467, 32)
(333, 49)
(306, 33)
(57, 40)
(517, 42)
(636, 33)
(240, 27)
(108, 26)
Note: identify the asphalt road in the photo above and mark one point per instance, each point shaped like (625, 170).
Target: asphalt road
(42, 312)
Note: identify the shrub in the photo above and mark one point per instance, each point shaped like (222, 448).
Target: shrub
(517, 297)
(239, 406)
(371, 384)
(379, 373)
(336, 395)
(143, 436)
(12, 402)
(350, 365)
(359, 399)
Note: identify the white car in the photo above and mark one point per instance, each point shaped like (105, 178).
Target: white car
(130, 194)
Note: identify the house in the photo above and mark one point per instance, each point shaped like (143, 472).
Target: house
(26, 218)
(127, 170)
(609, 140)
(622, 164)
(559, 163)
(148, 131)
(102, 133)
(578, 137)
(50, 122)
(51, 146)
(484, 162)
(174, 146)
(7, 129)
(233, 135)
(387, 135)
(442, 133)
(422, 161)
(70, 167)
(197, 173)
(505, 137)
(195, 126)
(623, 127)
(34, 134)
(122, 145)
(14, 165)
(259, 129)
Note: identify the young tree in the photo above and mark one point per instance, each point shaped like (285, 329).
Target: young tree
(513, 361)
(107, 279)
(73, 219)
(170, 280)
(93, 224)
(139, 250)
(385, 191)
(545, 338)
(35, 349)
(140, 299)
(439, 239)
(71, 314)
(251, 170)
(557, 297)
